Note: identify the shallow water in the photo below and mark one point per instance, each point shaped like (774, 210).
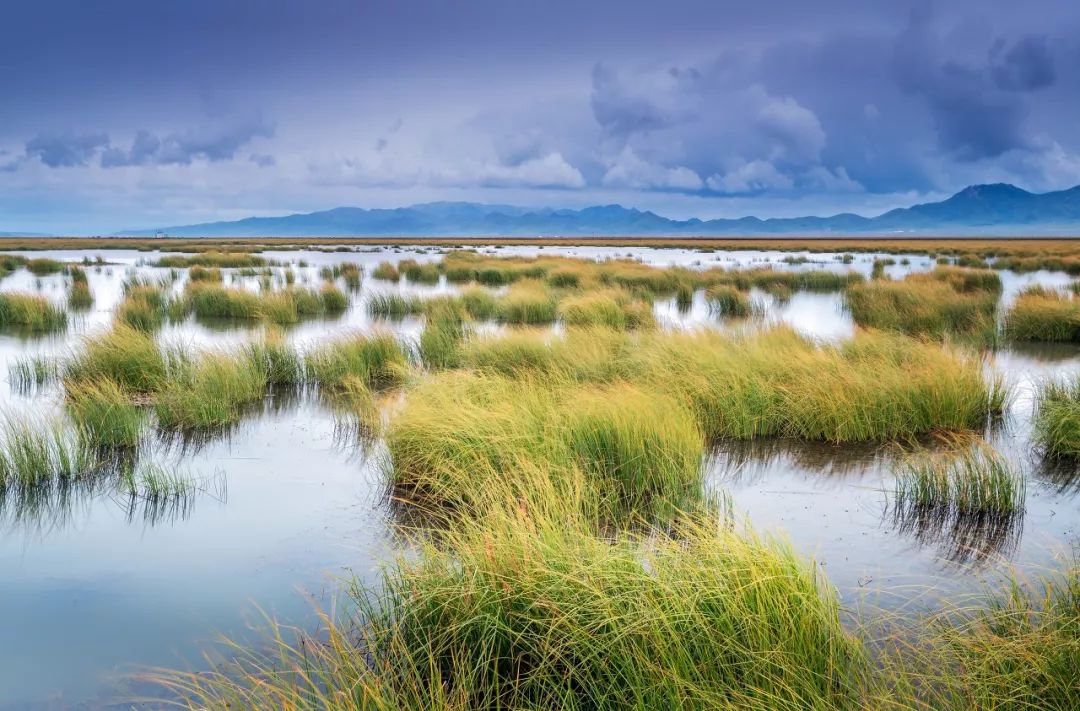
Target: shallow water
(94, 587)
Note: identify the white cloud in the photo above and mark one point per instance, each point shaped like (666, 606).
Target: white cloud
(748, 177)
(630, 171)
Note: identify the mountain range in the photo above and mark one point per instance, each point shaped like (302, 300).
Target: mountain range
(998, 208)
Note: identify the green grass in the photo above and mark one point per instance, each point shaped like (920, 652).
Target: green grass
(601, 308)
(1015, 650)
(726, 300)
(352, 276)
(200, 273)
(941, 303)
(386, 271)
(394, 306)
(480, 303)
(514, 612)
(156, 484)
(440, 342)
(280, 362)
(334, 301)
(126, 356)
(44, 266)
(104, 414)
(141, 312)
(974, 481)
(527, 303)
(208, 300)
(30, 370)
(37, 453)
(1057, 419)
(633, 447)
(875, 387)
(378, 360)
(31, 312)
(219, 260)
(213, 391)
(1041, 314)
(80, 297)
(419, 273)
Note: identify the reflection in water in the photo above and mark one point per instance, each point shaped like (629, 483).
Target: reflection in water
(1061, 475)
(750, 461)
(306, 484)
(961, 538)
(56, 505)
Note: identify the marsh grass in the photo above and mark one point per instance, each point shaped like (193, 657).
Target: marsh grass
(126, 356)
(142, 310)
(386, 271)
(975, 481)
(31, 312)
(1041, 314)
(43, 266)
(419, 273)
(200, 273)
(874, 387)
(613, 308)
(209, 300)
(280, 361)
(937, 304)
(1057, 419)
(394, 306)
(443, 334)
(212, 259)
(726, 300)
(527, 303)
(479, 303)
(27, 372)
(635, 449)
(1014, 649)
(79, 296)
(104, 414)
(515, 612)
(214, 390)
(377, 359)
(36, 453)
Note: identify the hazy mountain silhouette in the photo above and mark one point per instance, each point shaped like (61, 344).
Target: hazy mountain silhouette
(979, 209)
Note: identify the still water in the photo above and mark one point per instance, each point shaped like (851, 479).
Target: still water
(94, 587)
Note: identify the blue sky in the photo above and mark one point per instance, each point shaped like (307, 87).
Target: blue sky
(120, 114)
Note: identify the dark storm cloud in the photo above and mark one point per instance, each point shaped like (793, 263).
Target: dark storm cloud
(1026, 65)
(65, 150)
(274, 100)
(212, 143)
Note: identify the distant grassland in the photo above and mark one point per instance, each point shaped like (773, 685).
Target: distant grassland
(1016, 247)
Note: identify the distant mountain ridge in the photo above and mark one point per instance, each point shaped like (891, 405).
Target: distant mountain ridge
(998, 208)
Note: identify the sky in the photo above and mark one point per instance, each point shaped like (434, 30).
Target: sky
(119, 114)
